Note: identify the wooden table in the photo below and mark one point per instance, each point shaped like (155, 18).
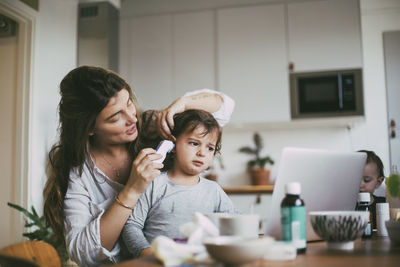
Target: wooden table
(376, 252)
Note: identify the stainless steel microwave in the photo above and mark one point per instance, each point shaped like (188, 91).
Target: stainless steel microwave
(326, 94)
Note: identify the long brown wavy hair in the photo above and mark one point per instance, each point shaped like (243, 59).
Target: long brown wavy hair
(85, 91)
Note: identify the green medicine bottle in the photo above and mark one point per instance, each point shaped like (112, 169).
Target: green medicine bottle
(293, 217)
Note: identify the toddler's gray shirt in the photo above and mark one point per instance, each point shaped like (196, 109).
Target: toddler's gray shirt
(164, 206)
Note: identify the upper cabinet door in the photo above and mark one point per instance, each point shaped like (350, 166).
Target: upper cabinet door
(252, 62)
(324, 35)
(168, 55)
(193, 51)
(148, 61)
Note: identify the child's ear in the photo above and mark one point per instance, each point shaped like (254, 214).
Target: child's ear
(380, 180)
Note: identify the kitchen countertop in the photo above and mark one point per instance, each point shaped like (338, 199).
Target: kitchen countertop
(250, 189)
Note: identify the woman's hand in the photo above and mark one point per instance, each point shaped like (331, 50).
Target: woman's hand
(143, 170)
(165, 118)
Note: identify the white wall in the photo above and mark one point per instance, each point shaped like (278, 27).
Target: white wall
(55, 54)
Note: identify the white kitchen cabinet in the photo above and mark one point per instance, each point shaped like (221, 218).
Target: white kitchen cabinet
(193, 51)
(149, 59)
(242, 51)
(252, 62)
(324, 35)
(168, 55)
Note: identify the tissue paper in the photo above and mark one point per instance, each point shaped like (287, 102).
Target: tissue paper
(172, 253)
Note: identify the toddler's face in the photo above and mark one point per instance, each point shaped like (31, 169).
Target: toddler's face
(371, 179)
(195, 151)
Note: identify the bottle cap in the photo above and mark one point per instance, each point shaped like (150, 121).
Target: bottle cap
(293, 188)
(382, 208)
(364, 197)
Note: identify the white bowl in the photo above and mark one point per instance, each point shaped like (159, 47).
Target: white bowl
(237, 250)
(339, 228)
(393, 228)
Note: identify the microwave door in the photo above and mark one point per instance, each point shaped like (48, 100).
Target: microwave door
(319, 94)
(348, 92)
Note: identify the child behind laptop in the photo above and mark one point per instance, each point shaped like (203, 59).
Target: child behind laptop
(372, 178)
(173, 197)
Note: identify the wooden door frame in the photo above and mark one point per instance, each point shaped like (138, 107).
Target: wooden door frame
(391, 163)
(26, 19)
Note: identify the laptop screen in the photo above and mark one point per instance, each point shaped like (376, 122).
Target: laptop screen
(330, 180)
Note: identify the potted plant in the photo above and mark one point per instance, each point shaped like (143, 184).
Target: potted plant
(256, 167)
(393, 190)
(41, 231)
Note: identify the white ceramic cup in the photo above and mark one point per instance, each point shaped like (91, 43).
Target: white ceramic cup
(244, 225)
(214, 217)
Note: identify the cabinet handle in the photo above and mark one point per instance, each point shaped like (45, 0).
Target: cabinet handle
(291, 66)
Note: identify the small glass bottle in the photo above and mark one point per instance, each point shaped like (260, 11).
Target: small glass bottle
(363, 205)
(293, 217)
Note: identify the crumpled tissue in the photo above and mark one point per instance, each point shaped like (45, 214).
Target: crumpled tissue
(172, 254)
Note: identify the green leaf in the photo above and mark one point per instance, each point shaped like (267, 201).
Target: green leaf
(28, 214)
(42, 231)
(251, 163)
(27, 225)
(247, 150)
(34, 212)
(258, 141)
(19, 208)
(393, 185)
(41, 222)
(258, 160)
(269, 160)
(32, 236)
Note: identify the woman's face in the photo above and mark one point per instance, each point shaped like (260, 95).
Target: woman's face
(371, 179)
(116, 123)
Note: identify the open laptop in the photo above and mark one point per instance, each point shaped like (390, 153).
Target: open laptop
(330, 180)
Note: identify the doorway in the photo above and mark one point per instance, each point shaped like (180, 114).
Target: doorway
(391, 46)
(8, 76)
(15, 83)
